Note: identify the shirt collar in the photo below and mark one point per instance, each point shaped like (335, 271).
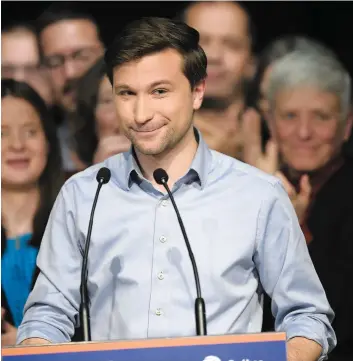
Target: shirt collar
(128, 170)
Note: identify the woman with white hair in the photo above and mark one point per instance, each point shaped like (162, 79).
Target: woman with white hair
(309, 116)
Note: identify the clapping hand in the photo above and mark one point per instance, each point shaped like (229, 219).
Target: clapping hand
(301, 199)
(267, 161)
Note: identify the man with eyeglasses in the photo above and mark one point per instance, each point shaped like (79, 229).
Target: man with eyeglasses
(69, 44)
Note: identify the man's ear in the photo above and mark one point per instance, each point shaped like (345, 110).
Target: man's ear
(198, 94)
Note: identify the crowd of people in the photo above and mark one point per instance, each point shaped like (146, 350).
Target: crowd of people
(287, 111)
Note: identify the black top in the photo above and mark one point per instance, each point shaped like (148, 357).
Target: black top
(331, 249)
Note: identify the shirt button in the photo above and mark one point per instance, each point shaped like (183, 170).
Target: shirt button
(163, 239)
(160, 276)
(164, 203)
(159, 312)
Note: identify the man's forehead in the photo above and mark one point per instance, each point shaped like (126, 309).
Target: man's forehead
(165, 65)
(72, 33)
(70, 24)
(204, 15)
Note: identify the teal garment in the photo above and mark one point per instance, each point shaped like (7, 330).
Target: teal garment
(18, 264)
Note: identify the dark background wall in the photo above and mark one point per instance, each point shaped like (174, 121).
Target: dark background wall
(330, 22)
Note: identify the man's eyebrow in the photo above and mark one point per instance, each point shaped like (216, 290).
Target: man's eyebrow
(160, 82)
(152, 85)
(121, 86)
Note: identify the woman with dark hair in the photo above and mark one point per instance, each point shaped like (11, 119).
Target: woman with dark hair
(31, 178)
(97, 134)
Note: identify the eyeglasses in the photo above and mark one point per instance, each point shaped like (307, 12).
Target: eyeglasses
(80, 56)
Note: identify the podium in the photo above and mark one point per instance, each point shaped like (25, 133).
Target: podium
(249, 347)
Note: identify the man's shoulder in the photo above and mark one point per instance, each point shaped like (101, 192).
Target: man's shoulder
(236, 170)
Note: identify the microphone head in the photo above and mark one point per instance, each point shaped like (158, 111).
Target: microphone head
(103, 175)
(160, 176)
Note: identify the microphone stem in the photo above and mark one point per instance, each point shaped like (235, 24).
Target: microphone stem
(200, 308)
(191, 254)
(84, 307)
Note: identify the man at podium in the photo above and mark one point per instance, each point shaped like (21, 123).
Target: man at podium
(173, 220)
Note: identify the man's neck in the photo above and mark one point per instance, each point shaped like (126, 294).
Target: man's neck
(221, 128)
(176, 162)
(18, 208)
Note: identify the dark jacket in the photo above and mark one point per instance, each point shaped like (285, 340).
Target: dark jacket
(331, 249)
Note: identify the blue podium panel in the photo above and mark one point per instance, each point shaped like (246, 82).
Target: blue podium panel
(250, 347)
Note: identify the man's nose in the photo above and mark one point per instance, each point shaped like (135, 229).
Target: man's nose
(213, 51)
(70, 69)
(143, 110)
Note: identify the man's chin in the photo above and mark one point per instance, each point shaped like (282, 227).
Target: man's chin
(69, 104)
(147, 146)
(150, 151)
(149, 143)
(69, 108)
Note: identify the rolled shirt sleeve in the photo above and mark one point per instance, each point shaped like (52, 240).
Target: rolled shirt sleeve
(288, 276)
(51, 311)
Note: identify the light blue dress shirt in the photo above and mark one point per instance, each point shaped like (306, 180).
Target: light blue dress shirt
(244, 234)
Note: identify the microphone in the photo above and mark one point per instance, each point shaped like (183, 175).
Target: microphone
(103, 177)
(161, 177)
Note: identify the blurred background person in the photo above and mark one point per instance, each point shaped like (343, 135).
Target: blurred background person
(309, 100)
(257, 149)
(20, 59)
(31, 177)
(97, 132)
(227, 37)
(70, 44)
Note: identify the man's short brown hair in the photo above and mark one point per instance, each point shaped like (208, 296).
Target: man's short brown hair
(150, 35)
